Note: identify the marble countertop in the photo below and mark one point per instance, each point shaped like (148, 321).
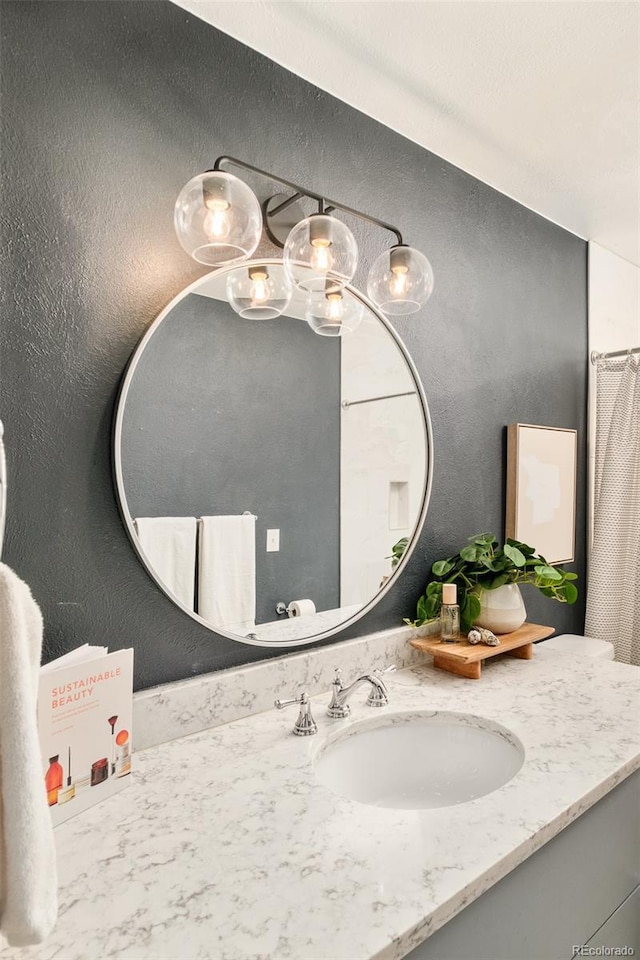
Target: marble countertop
(226, 847)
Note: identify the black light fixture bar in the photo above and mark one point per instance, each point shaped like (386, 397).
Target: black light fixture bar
(285, 203)
(325, 205)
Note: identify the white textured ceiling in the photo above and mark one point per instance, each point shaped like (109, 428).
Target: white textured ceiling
(539, 99)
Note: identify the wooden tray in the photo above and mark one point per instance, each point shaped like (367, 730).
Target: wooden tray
(465, 659)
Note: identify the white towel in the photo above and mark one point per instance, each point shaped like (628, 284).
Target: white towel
(170, 546)
(227, 572)
(28, 878)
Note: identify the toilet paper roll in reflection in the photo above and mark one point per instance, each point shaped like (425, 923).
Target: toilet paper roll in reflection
(301, 608)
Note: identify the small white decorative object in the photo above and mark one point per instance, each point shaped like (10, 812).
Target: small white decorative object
(501, 610)
(488, 637)
(481, 635)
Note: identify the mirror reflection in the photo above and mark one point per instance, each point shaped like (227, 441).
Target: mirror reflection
(266, 473)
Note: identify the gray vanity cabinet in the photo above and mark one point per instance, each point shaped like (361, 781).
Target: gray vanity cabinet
(581, 888)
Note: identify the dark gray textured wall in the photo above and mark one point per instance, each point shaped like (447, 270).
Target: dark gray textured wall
(218, 420)
(108, 108)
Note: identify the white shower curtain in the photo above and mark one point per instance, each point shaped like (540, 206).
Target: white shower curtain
(613, 595)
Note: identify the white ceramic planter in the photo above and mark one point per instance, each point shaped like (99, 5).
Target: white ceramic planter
(502, 610)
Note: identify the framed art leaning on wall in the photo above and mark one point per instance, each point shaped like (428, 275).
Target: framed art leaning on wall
(541, 489)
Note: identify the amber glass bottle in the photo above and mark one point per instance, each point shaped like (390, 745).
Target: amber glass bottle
(53, 780)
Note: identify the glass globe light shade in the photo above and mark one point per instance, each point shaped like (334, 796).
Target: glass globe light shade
(318, 249)
(259, 292)
(400, 281)
(218, 219)
(332, 313)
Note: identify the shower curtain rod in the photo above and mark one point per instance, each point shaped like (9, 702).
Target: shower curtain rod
(595, 356)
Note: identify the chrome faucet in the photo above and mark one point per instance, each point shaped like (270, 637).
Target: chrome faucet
(339, 708)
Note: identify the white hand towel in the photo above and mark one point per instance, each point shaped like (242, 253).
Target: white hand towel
(28, 878)
(170, 546)
(227, 572)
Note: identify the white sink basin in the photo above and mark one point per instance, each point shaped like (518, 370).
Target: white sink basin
(414, 761)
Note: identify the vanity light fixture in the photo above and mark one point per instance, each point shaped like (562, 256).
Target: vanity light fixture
(319, 249)
(218, 218)
(400, 280)
(218, 221)
(331, 314)
(259, 292)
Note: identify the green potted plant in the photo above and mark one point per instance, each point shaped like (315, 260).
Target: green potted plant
(397, 552)
(482, 568)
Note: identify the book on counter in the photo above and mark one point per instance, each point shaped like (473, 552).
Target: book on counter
(85, 707)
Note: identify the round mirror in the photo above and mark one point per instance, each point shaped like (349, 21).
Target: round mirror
(272, 480)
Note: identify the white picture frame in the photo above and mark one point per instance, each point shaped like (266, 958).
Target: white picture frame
(541, 489)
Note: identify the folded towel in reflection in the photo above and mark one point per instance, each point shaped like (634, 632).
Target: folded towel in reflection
(170, 546)
(28, 879)
(227, 572)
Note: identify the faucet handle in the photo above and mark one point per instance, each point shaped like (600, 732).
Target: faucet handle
(305, 725)
(382, 670)
(337, 708)
(378, 695)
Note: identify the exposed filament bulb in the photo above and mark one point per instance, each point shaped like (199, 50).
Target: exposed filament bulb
(216, 222)
(259, 292)
(335, 308)
(399, 283)
(259, 289)
(321, 257)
